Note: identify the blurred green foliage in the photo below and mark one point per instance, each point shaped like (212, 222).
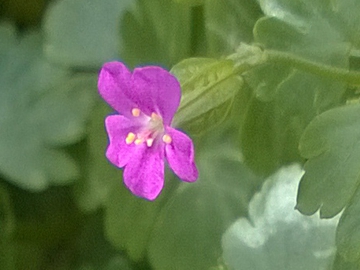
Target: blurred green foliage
(265, 83)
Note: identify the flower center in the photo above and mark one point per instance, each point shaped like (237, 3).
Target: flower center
(152, 130)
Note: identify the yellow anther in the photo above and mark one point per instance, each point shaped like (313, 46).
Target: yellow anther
(167, 139)
(130, 138)
(155, 116)
(139, 141)
(149, 142)
(135, 112)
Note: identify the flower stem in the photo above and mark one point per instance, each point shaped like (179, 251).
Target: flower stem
(340, 74)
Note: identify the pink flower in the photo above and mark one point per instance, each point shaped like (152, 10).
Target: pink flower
(141, 136)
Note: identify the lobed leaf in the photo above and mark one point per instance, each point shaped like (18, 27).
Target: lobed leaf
(348, 233)
(305, 29)
(276, 34)
(303, 35)
(331, 145)
(38, 112)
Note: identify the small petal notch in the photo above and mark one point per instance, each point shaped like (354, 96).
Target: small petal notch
(140, 135)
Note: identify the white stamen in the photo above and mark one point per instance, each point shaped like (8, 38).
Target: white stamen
(149, 142)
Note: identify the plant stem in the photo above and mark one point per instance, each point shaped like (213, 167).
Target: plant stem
(340, 74)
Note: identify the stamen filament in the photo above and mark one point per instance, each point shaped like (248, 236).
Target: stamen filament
(151, 131)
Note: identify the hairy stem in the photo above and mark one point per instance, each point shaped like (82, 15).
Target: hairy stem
(340, 74)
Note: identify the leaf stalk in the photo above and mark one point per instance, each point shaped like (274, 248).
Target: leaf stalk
(335, 73)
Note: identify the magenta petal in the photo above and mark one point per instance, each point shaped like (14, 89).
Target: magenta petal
(156, 91)
(144, 174)
(114, 83)
(118, 127)
(180, 155)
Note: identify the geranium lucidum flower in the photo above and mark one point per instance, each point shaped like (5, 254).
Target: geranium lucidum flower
(141, 136)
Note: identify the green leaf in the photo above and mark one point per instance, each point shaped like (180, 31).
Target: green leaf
(261, 137)
(276, 236)
(265, 80)
(188, 230)
(279, 35)
(61, 114)
(305, 29)
(228, 23)
(330, 21)
(341, 264)
(300, 28)
(341, 16)
(156, 31)
(83, 33)
(271, 130)
(214, 117)
(350, 21)
(348, 232)
(208, 87)
(41, 106)
(331, 145)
